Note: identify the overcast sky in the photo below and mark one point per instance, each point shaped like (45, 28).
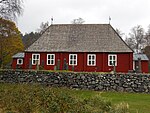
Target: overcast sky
(124, 14)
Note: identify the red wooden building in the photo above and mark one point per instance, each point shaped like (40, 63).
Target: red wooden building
(18, 61)
(140, 63)
(82, 47)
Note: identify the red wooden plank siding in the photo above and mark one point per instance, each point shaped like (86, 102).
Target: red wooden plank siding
(124, 61)
(14, 63)
(144, 65)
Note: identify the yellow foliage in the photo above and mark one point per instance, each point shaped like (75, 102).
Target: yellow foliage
(10, 41)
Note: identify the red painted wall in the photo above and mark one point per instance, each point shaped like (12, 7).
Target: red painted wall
(124, 62)
(14, 64)
(144, 66)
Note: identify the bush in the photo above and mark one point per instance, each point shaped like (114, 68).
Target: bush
(27, 98)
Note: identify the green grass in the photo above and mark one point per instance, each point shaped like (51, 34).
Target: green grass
(138, 103)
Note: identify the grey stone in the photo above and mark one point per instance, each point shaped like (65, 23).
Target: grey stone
(56, 81)
(83, 77)
(109, 82)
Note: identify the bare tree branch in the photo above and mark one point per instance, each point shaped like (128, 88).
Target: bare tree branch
(119, 32)
(11, 9)
(43, 27)
(136, 38)
(147, 37)
(78, 21)
(2, 1)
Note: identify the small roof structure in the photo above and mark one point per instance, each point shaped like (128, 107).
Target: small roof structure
(19, 55)
(79, 38)
(141, 56)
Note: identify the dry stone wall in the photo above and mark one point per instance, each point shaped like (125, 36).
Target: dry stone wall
(139, 83)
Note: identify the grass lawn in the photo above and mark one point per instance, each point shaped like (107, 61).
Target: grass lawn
(138, 103)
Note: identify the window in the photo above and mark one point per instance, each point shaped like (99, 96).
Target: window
(50, 59)
(112, 60)
(35, 59)
(19, 61)
(73, 59)
(91, 60)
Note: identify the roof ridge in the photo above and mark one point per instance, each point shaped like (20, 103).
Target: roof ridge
(78, 24)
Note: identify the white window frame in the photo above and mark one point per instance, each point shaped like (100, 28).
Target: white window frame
(88, 60)
(51, 59)
(19, 59)
(112, 60)
(35, 59)
(73, 59)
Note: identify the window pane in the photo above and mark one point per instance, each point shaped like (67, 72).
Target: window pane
(110, 57)
(70, 61)
(92, 62)
(48, 56)
(112, 60)
(52, 56)
(33, 61)
(113, 63)
(48, 61)
(110, 63)
(89, 62)
(19, 61)
(52, 62)
(114, 57)
(33, 56)
(93, 57)
(89, 57)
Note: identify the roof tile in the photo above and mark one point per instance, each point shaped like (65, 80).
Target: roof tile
(79, 38)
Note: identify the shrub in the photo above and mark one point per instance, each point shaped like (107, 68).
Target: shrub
(27, 98)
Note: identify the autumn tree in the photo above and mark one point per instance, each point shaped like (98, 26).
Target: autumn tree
(136, 38)
(10, 41)
(10, 9)
(78, 21)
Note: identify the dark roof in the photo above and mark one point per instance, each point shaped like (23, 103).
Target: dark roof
(18, 55)
(79, 38)
(141, 56)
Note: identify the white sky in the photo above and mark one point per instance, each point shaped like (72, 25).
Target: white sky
(124, 14)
